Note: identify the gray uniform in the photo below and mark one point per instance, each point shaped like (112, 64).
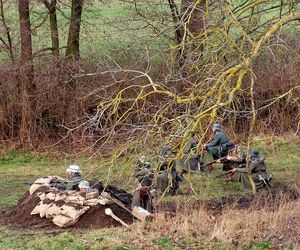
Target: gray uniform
(74, 181)
(217, 147)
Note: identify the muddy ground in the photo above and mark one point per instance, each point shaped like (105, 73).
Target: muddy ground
(19, 216)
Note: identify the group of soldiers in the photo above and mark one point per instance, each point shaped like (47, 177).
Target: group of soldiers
(170, 172)
(223, 151)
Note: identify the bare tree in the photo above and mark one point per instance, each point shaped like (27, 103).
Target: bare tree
(8, 41)
(51, 6)
(74, 30)
(26, 79)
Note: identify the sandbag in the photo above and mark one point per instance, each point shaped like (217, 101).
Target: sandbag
(44, 182)
(50, 196)
(103, 201)
(60, 196)
(75, 199)
(42, 195)
(37, 209)
(34, 187)
(91, 202)
(92, 195)
(43, 209)
(53, 211)
(63, 221)
(73, 212)
(140, 213)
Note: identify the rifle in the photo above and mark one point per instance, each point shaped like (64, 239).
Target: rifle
(225, 173)
(205, 166)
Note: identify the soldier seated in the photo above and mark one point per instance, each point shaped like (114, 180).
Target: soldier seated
(217, 147)
(168, 179)
(239, 173)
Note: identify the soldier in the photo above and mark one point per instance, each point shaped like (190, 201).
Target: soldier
(144, 177)
(74, 173)
(259, 170)
(217, 147)
(143, 172)
(235, 158)
(168, 177)
(162, 179)
(238, 171)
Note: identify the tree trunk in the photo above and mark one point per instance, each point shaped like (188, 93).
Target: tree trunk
(7, 44)
(26, 77)
(51, 6)
(192, 14)
(74, 30)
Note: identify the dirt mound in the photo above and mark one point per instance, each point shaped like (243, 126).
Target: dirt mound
(95, 217)
(20, 216)
(269, 198)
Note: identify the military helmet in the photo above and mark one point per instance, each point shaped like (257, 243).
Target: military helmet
(217, 126)
(73, 169)
(230, 145)
(254, 153)
(84, 184)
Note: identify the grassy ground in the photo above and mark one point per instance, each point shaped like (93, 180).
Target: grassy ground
(283, 160)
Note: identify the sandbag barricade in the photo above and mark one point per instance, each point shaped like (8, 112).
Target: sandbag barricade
(64, 207)
(44, 182)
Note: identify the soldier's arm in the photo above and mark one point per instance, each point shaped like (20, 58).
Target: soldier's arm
(215, 141)
(238, 157)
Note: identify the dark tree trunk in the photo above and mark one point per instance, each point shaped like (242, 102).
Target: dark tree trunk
(25, 32)
(26, 85)
(192, 13)
(51, 6)
(7, 44)
(74, 30)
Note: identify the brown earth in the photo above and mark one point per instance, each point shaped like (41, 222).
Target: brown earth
(19, 216)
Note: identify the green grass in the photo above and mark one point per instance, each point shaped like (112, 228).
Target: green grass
(282, 158)
(109, 29)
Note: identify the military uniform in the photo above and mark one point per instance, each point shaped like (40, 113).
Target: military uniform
(259, 172)
(144, 175)
(257, 165)
(141, 197)
(217, 147)
(169, 179)
(74, 182)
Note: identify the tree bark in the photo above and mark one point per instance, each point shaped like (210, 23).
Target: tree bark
(25, 79)
(7, 44)
(74, 30)
(192, 12)
(51, 6)
(192, 17)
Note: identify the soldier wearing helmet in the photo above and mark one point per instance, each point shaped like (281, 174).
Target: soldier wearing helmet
(74, 174)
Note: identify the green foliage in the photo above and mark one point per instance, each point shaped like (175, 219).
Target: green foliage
(261, 245)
